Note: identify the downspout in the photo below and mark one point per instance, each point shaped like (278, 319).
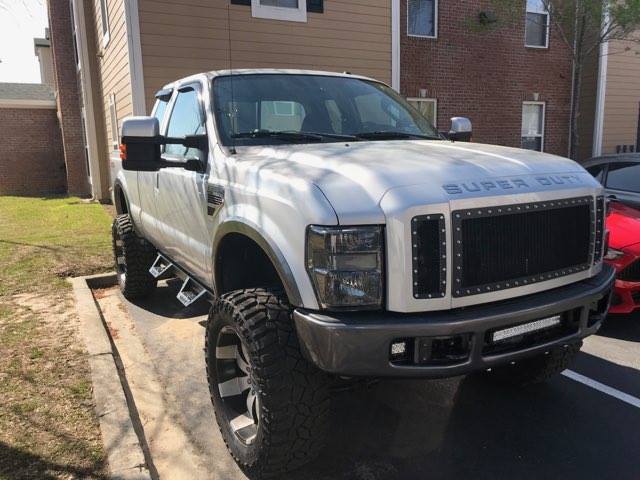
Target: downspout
(573, 87)
(598, 124)
(395, 45)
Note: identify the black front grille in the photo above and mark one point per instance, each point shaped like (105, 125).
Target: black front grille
(514, 245)
(631, 273)
(429, 257)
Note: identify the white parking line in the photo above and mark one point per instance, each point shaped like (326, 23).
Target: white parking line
(601, 387)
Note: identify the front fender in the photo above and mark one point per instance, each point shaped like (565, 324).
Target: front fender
(268, 245)
(278, 225)
(127, 183)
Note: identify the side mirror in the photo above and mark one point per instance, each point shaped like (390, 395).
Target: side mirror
(461, 130)
(140, 148)
(140, 144)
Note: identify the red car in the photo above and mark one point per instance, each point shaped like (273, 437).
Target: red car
(623, 223)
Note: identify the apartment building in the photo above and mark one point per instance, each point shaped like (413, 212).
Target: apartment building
(510, 76)
(124, 51)
(513, 82)
(611, 101)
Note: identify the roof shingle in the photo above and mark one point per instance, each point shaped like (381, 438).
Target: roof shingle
(26, 91)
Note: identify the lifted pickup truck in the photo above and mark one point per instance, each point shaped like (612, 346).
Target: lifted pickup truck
(338, 234)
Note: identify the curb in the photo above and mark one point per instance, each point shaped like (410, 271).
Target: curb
(125, 455)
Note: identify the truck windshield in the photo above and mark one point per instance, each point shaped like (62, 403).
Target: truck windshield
(272, 109)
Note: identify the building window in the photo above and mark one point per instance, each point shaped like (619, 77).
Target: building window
(422, 18)
(537, 25)
(115, 134)
(104, 21)
(281, 116)
(533, 126)
(290, 10)
(428, 107)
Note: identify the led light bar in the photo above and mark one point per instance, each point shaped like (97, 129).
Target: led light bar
(526, 328)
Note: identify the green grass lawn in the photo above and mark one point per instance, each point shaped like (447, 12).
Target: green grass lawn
(42, 241)
(48, 427)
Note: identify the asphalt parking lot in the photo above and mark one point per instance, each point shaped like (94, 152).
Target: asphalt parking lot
(577, 426)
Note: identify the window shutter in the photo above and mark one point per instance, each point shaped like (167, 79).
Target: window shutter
(241, 2)
(315, 6)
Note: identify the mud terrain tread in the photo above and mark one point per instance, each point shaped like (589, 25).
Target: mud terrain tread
(294, 394)
(537, 369)
(139, 255)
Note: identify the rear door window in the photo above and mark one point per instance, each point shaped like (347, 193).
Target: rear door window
(624, 177)
(159, 109)
(187, 118)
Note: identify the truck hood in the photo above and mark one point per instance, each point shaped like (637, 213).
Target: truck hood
(356, 176)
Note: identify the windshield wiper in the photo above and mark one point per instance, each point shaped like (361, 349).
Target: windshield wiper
(332, 135)
(284, 135)
(292, 135)
(393, 135)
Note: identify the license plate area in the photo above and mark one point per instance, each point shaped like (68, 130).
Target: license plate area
(529, 334)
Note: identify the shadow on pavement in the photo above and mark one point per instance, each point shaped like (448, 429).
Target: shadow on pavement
(620, 377)
(622, 327)
(19, 464)
(469, 428)
(164, 302)
(458, 428)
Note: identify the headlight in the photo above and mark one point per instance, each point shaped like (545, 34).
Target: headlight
(345, 265)
(613, 254)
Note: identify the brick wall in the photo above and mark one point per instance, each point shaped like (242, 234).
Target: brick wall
(31, 155)
(487, 75)
(69, 97)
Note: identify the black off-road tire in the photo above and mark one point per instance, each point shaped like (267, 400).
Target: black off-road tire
(133, 257)
(537, 369)
(293, 395)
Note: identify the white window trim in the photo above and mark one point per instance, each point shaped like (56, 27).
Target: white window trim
(540, 12)
(132, 23)
(280, 13)
(541, 135)
(435, 23)
(106, 34)
(435, 106)
(113, 119)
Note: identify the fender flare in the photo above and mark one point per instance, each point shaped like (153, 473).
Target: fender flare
(269, 247)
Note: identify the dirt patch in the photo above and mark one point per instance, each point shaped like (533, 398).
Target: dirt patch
(99, 293)
(48, 427)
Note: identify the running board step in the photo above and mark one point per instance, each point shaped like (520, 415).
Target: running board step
(162, 267)
(190, 292)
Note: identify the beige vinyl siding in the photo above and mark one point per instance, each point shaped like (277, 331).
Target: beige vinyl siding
(183, 37)
(96, 96)
(622, 99)
(113, 66)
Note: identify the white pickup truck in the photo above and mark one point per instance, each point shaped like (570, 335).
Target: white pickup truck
(338, 234)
